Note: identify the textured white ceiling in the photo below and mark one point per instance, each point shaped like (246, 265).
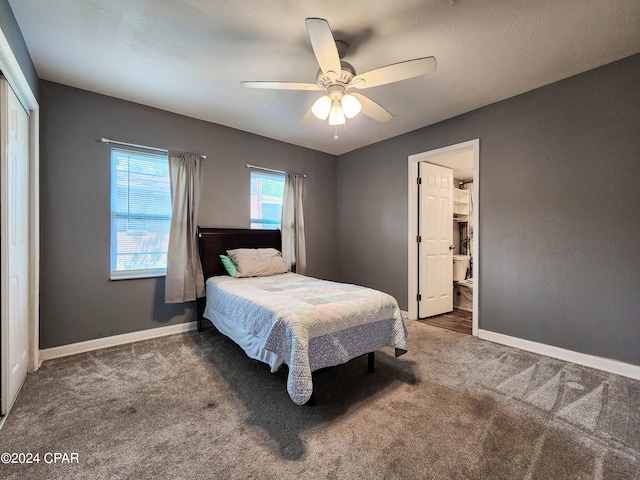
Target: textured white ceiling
(189, 56)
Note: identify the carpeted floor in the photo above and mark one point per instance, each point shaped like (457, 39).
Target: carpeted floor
(194, 406)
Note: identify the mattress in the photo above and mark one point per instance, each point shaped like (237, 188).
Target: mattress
(304, 322)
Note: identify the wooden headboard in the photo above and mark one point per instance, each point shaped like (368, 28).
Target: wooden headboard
(213, 242)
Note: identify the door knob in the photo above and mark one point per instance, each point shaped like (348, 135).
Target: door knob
(451, 247)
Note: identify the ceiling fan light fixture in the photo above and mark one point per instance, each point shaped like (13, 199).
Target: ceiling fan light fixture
(350, 105)
(336, 115)
(322, 107)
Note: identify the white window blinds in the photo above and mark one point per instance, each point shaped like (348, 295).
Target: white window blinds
(266, 200)
(140, 213)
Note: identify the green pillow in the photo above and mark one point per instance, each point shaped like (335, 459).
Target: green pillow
(230, 265)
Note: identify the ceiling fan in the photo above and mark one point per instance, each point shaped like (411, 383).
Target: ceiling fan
(338, 77)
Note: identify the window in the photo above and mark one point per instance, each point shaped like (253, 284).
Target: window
(266, 200)
(140, 213)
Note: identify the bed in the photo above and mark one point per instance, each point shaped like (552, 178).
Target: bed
(306, 323)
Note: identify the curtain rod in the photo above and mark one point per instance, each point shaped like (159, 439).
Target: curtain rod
(115, 142)
(263, 169)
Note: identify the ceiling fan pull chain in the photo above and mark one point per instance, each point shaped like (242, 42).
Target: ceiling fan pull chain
(335, 135)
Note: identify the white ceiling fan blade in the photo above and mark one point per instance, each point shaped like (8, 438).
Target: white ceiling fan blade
(394, 73)
(324, 46)
(308, 118)
(373, 109)
(282, 85)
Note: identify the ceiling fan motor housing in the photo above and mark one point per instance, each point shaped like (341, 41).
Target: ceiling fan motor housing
(346, 74)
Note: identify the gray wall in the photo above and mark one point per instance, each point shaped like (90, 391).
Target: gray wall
(559, 211)
(78, 302)
(14, 37)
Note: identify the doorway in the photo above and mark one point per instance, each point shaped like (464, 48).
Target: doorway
(465, 155)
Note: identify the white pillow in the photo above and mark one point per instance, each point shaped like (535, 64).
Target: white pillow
(257, 262)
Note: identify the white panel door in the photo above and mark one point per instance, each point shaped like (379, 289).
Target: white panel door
(14, 235)
(435, 249)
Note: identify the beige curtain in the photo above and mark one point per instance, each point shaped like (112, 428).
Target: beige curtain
(293, 245)
(184, 281)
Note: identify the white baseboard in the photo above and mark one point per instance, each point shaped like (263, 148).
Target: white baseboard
(113, 341)
(600, 363)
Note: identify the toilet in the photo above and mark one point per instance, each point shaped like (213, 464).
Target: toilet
(460, 266)
(462, 286)
(463, 294)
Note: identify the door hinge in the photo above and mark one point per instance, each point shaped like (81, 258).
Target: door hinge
(419, 181)
(418, 239)
(418, 297)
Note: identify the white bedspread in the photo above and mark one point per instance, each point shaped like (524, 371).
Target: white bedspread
(309, 323)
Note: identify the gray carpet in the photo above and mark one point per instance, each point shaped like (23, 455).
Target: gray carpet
(455, 407)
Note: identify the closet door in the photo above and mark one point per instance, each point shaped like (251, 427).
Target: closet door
(14, 240)
(435, 249)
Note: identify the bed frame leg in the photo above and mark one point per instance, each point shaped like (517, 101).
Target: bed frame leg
(371, 362)
(199, 312)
